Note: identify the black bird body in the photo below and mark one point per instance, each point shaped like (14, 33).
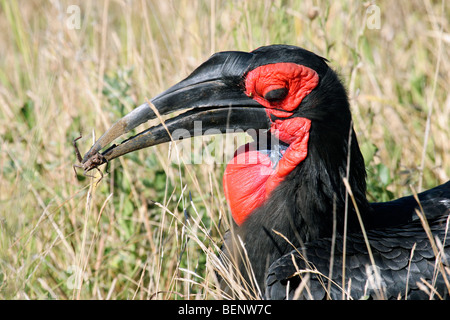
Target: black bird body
(312, 198)
(403, 252)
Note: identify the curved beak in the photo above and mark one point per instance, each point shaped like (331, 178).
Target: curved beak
(214, 94)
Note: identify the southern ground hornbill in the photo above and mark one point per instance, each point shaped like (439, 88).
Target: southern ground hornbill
(299, 202)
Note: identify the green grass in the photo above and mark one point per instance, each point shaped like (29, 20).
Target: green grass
(128, 236)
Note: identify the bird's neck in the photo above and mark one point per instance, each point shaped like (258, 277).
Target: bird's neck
(311, 203)
(323, 201)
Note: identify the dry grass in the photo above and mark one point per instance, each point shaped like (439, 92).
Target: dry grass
(128, 236)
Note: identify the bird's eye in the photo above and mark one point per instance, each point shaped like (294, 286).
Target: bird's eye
(280, 86)
(276, 95)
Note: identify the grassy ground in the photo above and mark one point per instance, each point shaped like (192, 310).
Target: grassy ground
(63, 237)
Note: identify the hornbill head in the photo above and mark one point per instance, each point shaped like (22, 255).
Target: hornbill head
(286, 90)
(291, 184)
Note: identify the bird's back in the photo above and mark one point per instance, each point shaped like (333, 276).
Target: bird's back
(409, 259)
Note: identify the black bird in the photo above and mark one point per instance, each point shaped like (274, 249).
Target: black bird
(298, 192)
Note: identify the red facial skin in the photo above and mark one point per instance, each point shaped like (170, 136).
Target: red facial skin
(249, 177)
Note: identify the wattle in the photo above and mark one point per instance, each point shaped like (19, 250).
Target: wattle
(253, 174)
(245, 180)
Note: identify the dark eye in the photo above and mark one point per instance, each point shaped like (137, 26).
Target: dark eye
(276, 95)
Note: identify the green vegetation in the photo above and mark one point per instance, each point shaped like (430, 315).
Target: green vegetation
(151, 229)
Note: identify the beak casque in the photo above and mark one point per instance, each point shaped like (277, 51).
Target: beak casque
(214, 93)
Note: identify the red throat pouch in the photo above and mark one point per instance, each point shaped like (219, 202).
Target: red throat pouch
(250, 176)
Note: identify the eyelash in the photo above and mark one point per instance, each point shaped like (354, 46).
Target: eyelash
(276, 95)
